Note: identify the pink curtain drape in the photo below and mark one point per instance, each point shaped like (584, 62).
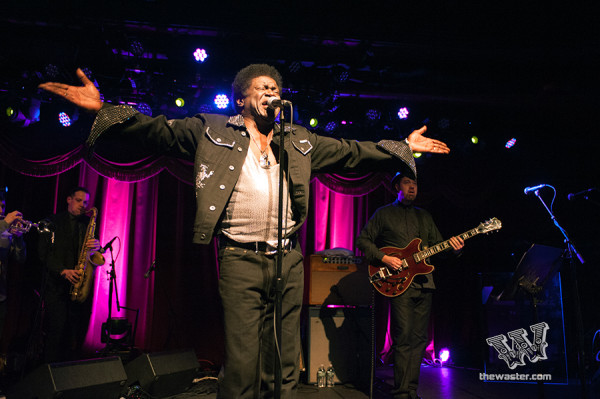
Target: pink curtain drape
(154, 223)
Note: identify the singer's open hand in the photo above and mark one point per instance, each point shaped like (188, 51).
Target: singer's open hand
(86, 96)
(420, 143)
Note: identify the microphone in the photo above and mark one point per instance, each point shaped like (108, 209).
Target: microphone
(150, 269)
(584, 192)
(276, 102)
(105, 248)
(534, 188)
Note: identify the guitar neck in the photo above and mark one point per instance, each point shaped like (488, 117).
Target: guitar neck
(442, 246)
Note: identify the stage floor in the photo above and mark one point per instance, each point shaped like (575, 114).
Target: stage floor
(436, 383)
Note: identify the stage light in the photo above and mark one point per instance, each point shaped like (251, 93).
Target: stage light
(313, 122)
(200, 55)
(11, 112)
(180, 102)
(474, 139)
(221, 101)
(64, 119)
(373, 114)
(144, 109)
(403, 113)
(444, 355)
(51, 71)
(137, 48)
(294, 66)
(510, 143)
(15, 115)
(23, 112)
(342, 76)
(88, 72)
(331, 126)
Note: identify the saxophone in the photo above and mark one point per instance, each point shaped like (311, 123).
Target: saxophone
(88, 260)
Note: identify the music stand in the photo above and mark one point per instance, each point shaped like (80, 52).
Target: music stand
(537, 266)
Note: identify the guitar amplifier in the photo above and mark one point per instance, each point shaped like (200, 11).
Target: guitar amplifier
(339, 280)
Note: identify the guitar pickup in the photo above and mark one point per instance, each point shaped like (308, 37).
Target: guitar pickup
(404, 264)
(382, 274)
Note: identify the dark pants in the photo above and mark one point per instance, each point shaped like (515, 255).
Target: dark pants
(65, 324)
(246, 283)
(409, 329)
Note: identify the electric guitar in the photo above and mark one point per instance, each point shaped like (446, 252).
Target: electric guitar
(393, 282)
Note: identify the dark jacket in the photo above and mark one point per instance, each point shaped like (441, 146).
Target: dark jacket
(64, 252)
(218, 144)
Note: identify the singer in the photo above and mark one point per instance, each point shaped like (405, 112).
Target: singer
(237, 180)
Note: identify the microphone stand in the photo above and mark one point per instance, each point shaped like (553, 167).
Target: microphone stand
(109, 323)
(279, 263)
(111, 287)
(571, 251)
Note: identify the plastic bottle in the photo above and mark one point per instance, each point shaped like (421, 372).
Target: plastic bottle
(321, 379)
(330, 376)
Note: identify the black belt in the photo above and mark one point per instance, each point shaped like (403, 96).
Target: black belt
(256, 246)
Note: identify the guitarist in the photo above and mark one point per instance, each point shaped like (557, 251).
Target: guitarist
(396, 225)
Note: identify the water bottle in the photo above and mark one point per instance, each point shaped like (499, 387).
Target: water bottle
(321, 383)
(330, 376)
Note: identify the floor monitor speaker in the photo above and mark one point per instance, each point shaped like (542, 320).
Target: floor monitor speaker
(102, 378)
(163, 374)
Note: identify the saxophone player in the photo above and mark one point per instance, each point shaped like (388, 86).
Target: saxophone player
(66, 321)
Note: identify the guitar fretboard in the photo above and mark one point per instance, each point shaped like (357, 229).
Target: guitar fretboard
(442, 246)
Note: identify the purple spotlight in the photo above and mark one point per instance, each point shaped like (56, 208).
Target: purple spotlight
(510, 143)
(331, 126)
(200, 55)
(444, 355)
(403, 113)
(144, 109)
(64, 119)
(51, 70)
(221, 101)
(373, 114)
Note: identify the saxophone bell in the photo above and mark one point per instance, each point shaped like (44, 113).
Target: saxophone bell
(96, 258)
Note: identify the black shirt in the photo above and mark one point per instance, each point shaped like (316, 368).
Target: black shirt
(396, 225)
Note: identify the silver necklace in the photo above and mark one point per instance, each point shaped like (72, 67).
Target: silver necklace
(263, 160)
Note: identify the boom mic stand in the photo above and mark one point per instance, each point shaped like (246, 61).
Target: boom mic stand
(108, 327)
(571, 251)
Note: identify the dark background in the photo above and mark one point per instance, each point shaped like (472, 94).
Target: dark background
(495, 70)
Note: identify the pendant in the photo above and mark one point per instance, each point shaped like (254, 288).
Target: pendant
(264, 161)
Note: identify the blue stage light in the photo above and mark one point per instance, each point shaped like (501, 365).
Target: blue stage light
(200, 55)
(510, 143)
(403, 113)
(64, 119)
(221, 101)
